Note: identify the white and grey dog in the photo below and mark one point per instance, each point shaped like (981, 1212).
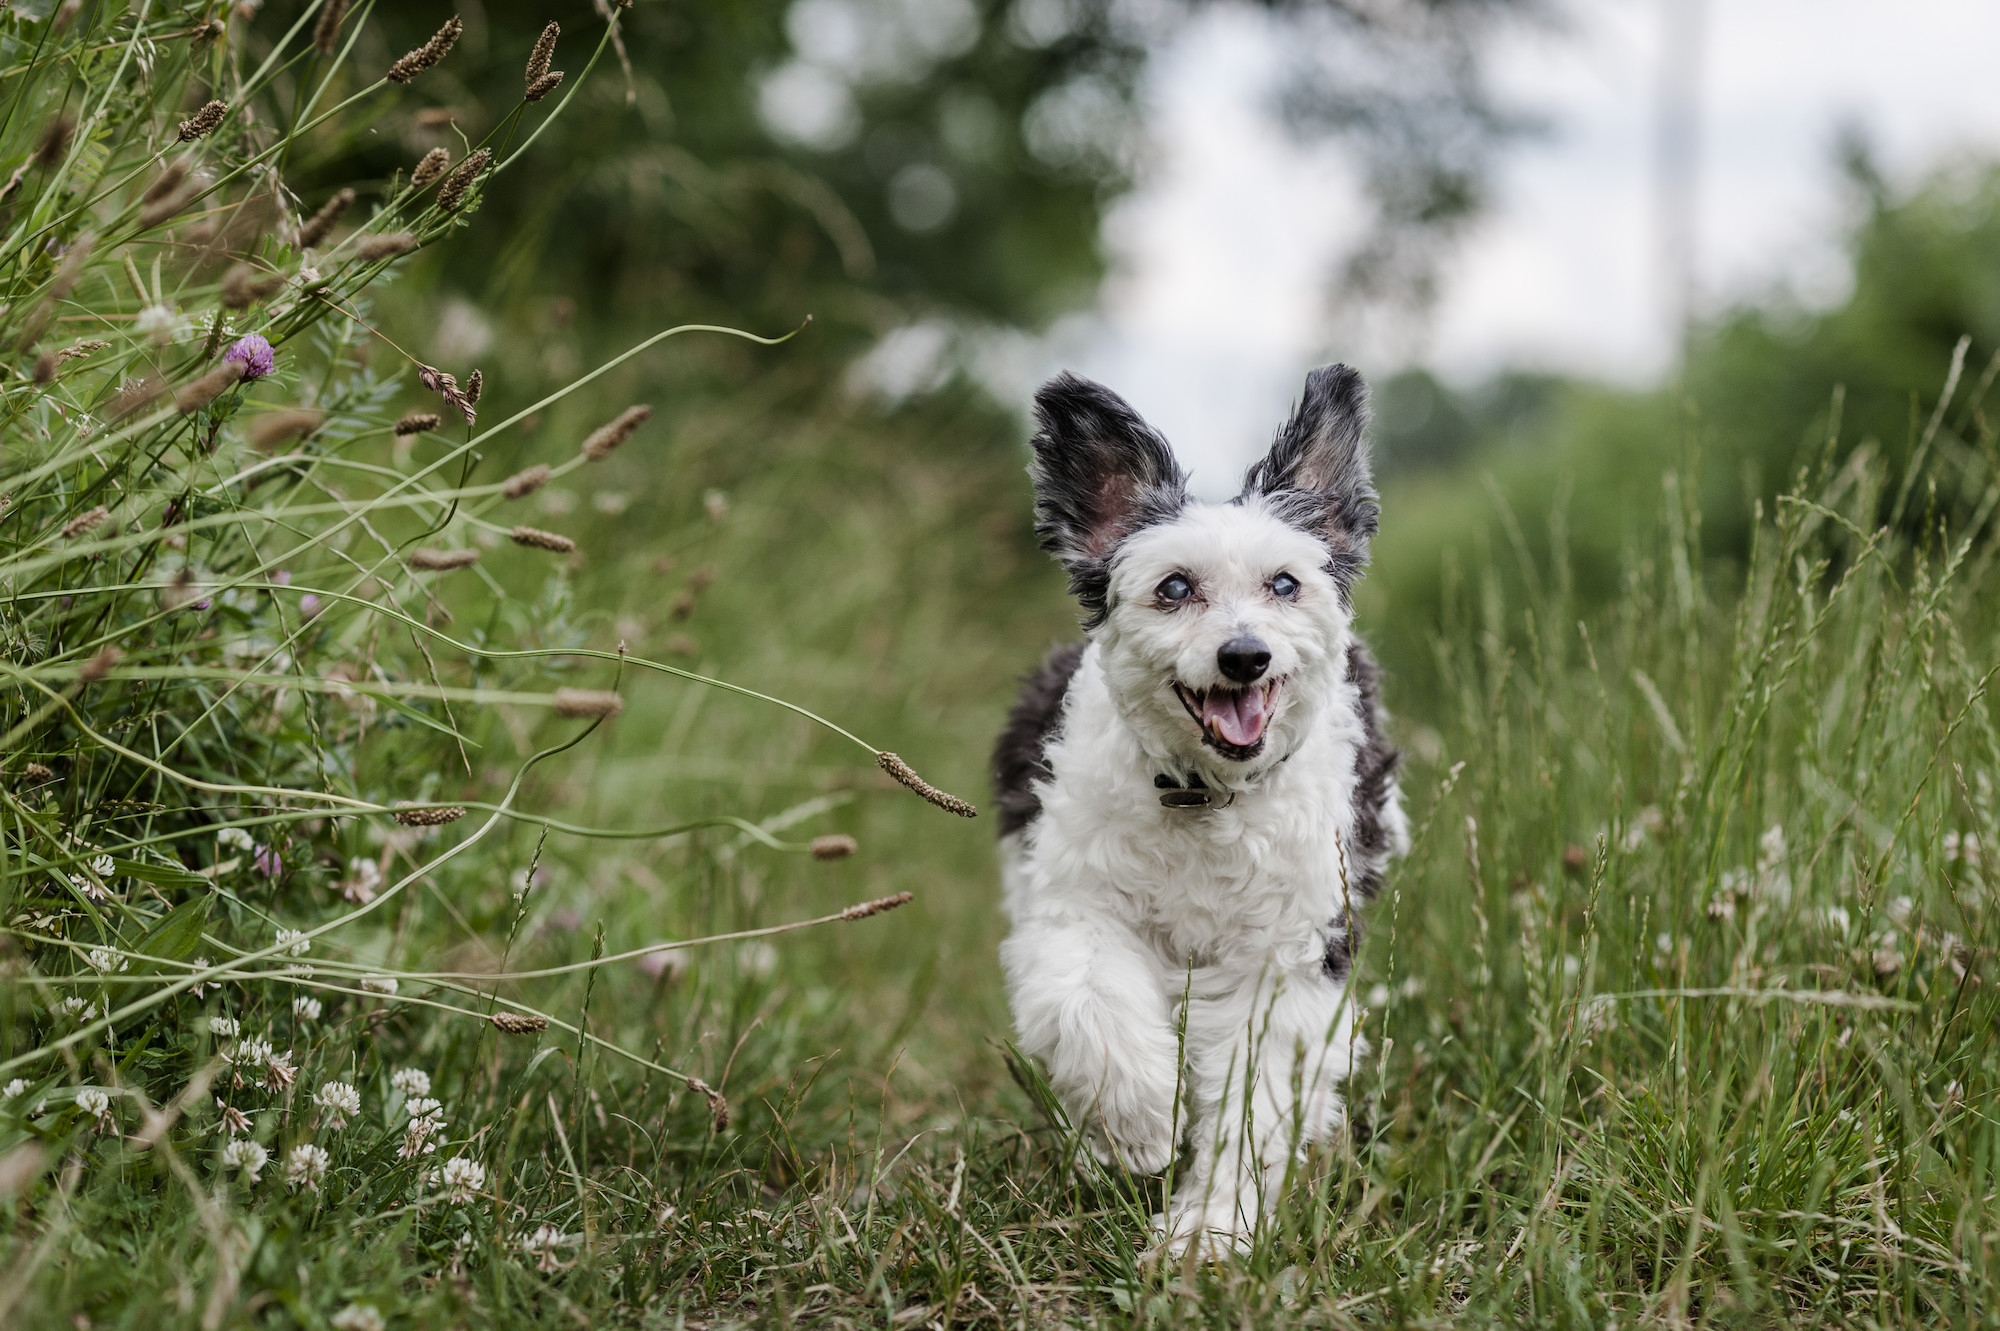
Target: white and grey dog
(1194, 802)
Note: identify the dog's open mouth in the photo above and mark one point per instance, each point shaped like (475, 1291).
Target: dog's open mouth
(1232, 721)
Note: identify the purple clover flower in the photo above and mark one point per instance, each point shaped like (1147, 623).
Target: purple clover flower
(254, 354)
(266, 860)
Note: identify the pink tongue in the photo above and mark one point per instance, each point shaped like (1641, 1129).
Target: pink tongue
(1237, 717)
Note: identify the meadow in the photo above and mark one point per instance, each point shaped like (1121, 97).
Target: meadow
(421, 910)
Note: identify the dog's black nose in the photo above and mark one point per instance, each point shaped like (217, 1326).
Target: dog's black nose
(1243, 659)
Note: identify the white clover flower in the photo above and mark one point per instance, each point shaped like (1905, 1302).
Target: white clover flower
(15, 1087)
(379, 984)
(305, 1009)
(252, 1051)
(199, 964)
(104, 867)
(161, 324)
(280, 1071)
(462, 1177)
(363, 877)
(423, 1108)
(542, 1244)
(247, 1156)
(235, 838)
(225, 1027)
(93, 1102)
(338, 1099)
(104, 959)
(294, 942)
(306, 1166)
(357, 1317)
(76, 1009)
(234, 1121)
(411, 1083)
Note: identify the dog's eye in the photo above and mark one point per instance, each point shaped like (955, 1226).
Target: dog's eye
(1174, 589)
(1284, 586)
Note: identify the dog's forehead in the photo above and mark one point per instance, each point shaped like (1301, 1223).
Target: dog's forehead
(1220, 539)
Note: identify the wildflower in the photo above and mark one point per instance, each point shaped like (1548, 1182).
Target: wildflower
(904, 773)
(160, 324)
(524, 483)
(104, 866)
(429, 817)
(223, 1027)
(327, 30)
(203, 122)
(462, 1177)
(544, 52)
(84, 522)
(210, 386)
(432, 51)
(417, 1139)
(305, 1008)
(251, 1051)
(247, 1156)
(254, 352)
(601, 441)
(430, 168)
(76, 1009)
(340, 1100)
(429, 560)
(322, 222)
(200, 964)
(542, 1244)
(294, 942)
(374, 249)
(275, 427)
(834, 846)
(16, 1087)
(234, 1121)
(422, 1106)
(536, 538)
(363, 877)
(235, 838)
(379, 984)
(416, 423)
(268, 862)
(519, 1023)
(306, 1166)
(543, 86)
(280, 1072)
(452, 194)
(588, 702)
(411, 1082)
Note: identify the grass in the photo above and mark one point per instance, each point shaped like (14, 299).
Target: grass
(1680, 1008)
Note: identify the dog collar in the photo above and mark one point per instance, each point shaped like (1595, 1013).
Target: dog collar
(1196, 794)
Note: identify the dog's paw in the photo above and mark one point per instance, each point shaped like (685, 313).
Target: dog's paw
(1210, 1234)
(1142, 1144)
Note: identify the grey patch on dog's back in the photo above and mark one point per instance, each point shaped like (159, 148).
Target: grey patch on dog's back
(1021, 757)
(1375, 764)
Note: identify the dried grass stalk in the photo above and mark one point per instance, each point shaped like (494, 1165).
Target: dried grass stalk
(209, 387)
(374, 249)
(322, 222)
(417, 422)
(203, 122)
(327, 30)
(45, 368)
(167, 182)
(588, 702)
(429, 817)
(902, 771)
(718, 1108)
(519, 1023)
(877, 906)
(84, 522)
(524, 483)
(538, 539)
(475, 384)
(275, 427)
(834, 846)
(432, 51)
(55, 141)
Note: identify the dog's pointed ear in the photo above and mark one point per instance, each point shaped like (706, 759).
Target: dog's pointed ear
(1317, 476)
(1101, 473)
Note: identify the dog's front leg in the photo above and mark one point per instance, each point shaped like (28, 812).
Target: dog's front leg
(1266, 1056)
(1090, 1002)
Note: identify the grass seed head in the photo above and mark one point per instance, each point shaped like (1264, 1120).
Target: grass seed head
(429, 560)
(432, 51)
(588, 702)
(209, 387)
(55, 141)
(37, 773)
(545, 51)
(429, 817)
(863, 910)
(374, 249)
(434, 164)
(70, 271)
(417, 422)
(165, 183)
(98, 666)
(45, 368)
(276, 427)
(903, 772)
(538, 539)
(84, 522)
(475, 384)
(134, 396)
(519, 1023)
(244, 285)
(322, 222)
(606, 438)
(203, 122)
(544, 85)
(327, 30)
(834, 846)
(524, 483)
(458, 185)
(718, 1108)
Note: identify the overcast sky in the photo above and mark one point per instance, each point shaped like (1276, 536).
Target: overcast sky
(1216, 308)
